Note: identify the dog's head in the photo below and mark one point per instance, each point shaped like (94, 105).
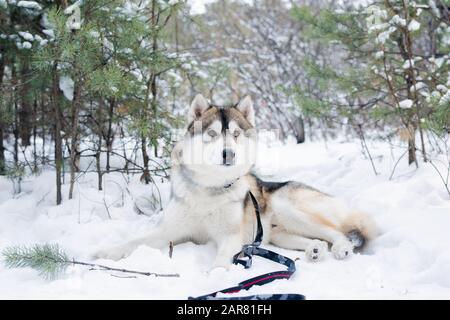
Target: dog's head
(219, 144)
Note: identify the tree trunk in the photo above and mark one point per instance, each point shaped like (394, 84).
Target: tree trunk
(16, 139)
(299, 126)
(34, 117)
(25, 110)
(146, 174)
(2, 152)
(151, 87)
(109, 135)
(406, 48)
(74, 143)
(412, 157)
(43, 132)
(57, 128)
(98, 165)
(16, 122)
(2, 148)
(16, 132)
(99, 145)
(54, 99)
(154, 88)
(412, 151)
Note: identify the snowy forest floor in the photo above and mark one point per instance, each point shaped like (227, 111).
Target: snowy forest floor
(409, 260)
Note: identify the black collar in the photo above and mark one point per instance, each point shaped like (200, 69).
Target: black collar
(230, 184)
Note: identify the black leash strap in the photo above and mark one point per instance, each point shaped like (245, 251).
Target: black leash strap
(244, 258)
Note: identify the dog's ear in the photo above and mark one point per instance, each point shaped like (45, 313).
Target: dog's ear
(245, 106)
(198, 106)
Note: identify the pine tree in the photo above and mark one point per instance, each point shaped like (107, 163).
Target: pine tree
(394, 68)
(97, 67)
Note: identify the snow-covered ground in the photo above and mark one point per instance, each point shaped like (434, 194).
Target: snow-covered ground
(409, 260)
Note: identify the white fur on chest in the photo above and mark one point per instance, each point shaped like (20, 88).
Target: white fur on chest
(207, 213)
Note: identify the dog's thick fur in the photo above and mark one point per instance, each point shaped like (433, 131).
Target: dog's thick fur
(210, 181)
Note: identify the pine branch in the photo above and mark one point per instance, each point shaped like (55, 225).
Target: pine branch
(51, 261)
(103, 267)
(48, 259)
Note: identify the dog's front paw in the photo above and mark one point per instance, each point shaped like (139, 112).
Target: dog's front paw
(342, 249)
(316, 250)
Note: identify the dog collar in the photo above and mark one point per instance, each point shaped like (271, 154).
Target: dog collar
(230, 184)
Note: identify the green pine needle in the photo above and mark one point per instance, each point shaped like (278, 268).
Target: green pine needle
(48, 259)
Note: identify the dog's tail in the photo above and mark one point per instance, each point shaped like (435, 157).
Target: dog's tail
(359, 228)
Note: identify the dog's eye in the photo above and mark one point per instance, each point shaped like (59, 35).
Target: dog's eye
(236, 133)
(212, 133)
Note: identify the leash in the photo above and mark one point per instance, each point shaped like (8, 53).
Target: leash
(245, 258)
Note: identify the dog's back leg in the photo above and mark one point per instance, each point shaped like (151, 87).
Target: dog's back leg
(341, 246)
(315, 250)
(303, 217)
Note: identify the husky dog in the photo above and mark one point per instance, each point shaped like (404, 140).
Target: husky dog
(210, 184)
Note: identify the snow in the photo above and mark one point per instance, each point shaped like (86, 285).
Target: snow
(26, 45)
(66, 85)
(186, 66)
(379, 54)
(49, 33)
(445, 99)
(439, 61)
(397, 20)
(70, 9)
(409, 260)
(74, 21)
(434, 8)
(42, 42)
(441, 88)
(74, 25)
(26, 35)
(198, 6)
(408, 64)
(405, 104)
(414, 25)
(29, 5)
(23, 45)
(375, 15)
(384, 36)
(419, 86)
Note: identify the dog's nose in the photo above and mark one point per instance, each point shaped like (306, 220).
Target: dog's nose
(228, 156)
